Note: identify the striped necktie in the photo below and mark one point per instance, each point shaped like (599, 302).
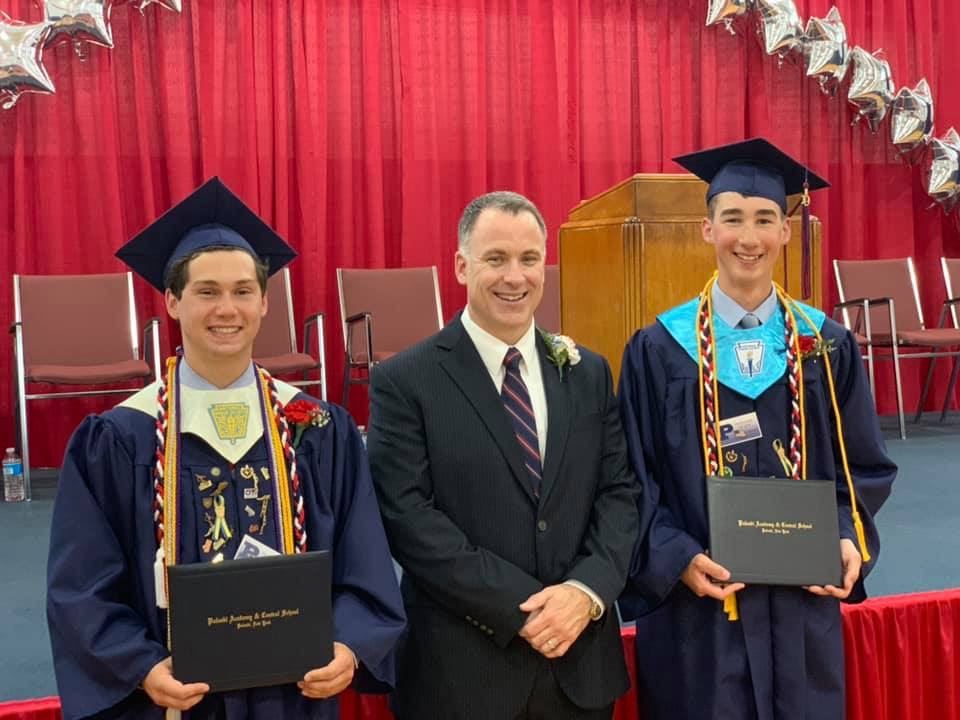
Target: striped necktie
(516, 400)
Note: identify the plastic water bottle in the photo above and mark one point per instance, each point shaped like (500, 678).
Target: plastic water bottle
(14, 488)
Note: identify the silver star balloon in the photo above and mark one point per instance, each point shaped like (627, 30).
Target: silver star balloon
(174, 5)
(21, 61)
(911, 121)
(725, 11)
(780, 27)
(943, 175)
(77, 21)
(826, 50)
(871, 87)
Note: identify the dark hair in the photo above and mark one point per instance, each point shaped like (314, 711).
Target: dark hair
(712, 207)
(503, 200)
(179, 273)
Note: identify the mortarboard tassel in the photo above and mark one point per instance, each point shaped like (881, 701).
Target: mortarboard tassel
(805, 280)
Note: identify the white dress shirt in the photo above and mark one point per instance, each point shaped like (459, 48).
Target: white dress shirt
(492, 352)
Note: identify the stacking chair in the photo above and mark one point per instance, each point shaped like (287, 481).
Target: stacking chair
(896, 318)
(383, 312)
(860, 326)
(548, 314)
(275, 348)
(951, 283)
(77, 330)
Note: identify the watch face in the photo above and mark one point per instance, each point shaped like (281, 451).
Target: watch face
(595, 611)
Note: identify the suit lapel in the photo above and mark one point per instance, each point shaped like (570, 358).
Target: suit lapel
(557, 391)
(462, 362)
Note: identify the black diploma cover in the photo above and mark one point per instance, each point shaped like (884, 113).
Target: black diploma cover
(253, 622)
(775, 531)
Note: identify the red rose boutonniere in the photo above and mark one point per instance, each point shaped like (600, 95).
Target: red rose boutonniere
(304, 414)
(812, 347)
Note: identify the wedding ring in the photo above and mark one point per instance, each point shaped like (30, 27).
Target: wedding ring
(551, 644)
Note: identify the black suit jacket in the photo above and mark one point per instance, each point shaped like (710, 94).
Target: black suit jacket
(474, 542)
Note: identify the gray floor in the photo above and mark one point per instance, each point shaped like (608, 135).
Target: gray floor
(918, 527)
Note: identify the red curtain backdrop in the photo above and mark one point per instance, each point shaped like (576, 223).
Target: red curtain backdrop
(360, 130)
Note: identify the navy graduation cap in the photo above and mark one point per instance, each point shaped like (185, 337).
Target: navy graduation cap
(753, 168)
(209, 216)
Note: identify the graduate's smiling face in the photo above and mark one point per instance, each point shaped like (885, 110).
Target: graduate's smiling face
(219, 310)
(502, 266)
(747, 234)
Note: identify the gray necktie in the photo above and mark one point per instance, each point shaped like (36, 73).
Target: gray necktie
(749, 321)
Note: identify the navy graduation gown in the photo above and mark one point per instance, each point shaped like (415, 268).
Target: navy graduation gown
(784, 659)
(105, 629)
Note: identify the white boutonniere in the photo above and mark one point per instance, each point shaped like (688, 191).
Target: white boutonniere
(561, 350)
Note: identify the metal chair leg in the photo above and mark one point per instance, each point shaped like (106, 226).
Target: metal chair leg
(20, 370)
(926, 389)
(346, 382)
(950, 387)
(896, 370)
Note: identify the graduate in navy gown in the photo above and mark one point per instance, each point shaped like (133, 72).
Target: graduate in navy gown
(706, 648)
(187, 469)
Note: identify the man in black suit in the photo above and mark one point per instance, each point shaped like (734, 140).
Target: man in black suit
(501, 471)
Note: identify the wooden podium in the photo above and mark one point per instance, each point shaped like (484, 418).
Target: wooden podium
(632, 252)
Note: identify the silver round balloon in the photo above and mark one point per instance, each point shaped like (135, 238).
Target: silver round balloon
(911, 119)
(825, 48)
(871, 87)
(77, 21)
(21, 61)
(943, 174)
(780, 27)
(726, 11)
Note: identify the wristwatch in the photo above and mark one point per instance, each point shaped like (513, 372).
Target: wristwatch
(596, 610)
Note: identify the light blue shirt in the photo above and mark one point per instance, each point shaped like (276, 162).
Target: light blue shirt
(728, 310)
(189, 378)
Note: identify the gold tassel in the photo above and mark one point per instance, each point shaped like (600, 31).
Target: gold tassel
(730, 607)
(861, 536)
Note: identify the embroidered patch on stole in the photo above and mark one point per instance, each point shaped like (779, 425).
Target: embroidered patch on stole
(230, 420)
(750, 357)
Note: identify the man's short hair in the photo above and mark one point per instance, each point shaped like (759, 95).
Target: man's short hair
(179, 272)
(502, 200)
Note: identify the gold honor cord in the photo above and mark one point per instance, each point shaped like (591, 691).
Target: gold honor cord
(788, 308)
(170, 530)
(170, 521)
(706, 304)
(170, 470)
(854, 513)
(281, 474)
(791, 308)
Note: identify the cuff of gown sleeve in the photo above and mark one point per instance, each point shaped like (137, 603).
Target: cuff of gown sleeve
(356, 660)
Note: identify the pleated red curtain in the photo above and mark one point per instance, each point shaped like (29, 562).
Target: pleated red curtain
(360, 129)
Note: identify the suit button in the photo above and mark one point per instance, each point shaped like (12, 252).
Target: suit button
(489, 631)
(469, 619)
(542, 526)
